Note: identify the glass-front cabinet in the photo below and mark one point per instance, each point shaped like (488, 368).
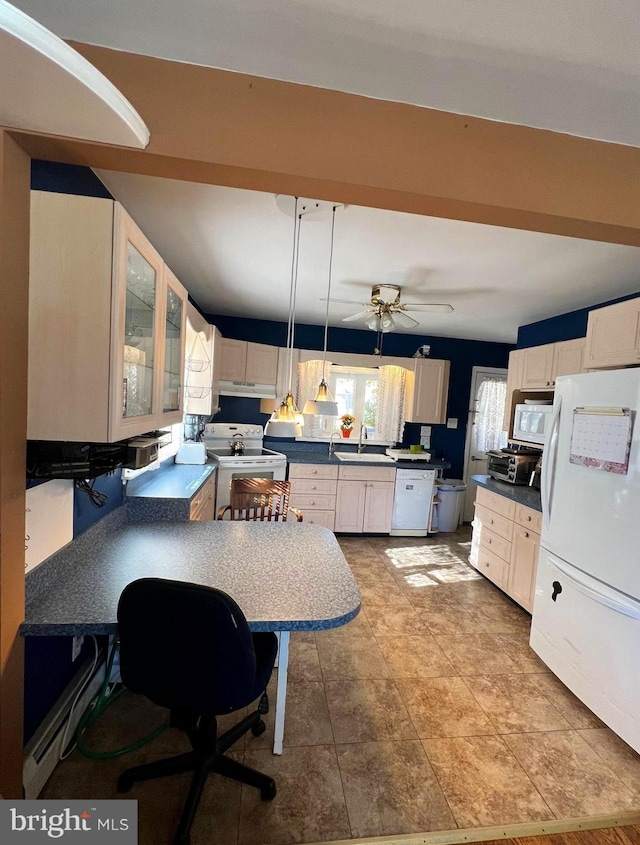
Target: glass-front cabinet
(107, 323)
(148, 344)
(174, 344)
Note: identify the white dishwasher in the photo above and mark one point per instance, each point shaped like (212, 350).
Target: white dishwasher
(412, 502)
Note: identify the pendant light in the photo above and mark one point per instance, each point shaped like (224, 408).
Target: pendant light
(324, 404)
(286, 421)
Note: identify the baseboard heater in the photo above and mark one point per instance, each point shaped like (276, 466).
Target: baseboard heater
(42, 752)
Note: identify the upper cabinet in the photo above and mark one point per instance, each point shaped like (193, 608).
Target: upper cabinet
(106, 325)
(537, 368)
(427, 390)
(613, 336)
(251, 363)
(514, 382)
(568, 358)
(202, 365)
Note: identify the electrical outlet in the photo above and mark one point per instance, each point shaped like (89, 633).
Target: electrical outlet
(76, 647)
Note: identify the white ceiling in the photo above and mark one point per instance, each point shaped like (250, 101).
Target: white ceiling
(232, 250)
(566, 65)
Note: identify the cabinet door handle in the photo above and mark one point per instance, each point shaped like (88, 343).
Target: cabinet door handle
(528, 519)
(526, 533)
(490, 541)
(314, 472)
(312, 502)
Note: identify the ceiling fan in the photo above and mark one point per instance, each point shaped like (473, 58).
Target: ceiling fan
(384, 310)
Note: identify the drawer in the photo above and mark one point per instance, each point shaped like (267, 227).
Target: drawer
(312, 471)
(367, 473)
(495, 568)
(313, 485)
(309, 501)
(528, 518)
(495, 502)
(495, 543)
(203, 500)
(325, 518)
(494, 522)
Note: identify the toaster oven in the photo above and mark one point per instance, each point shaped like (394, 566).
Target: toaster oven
(512, 467)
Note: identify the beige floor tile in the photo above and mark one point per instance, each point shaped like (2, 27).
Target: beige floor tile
(388, 595)
(570, 775)
(357, 627)
(390, 788)
(441, 707)
(619, 756)
(357, 657)
(363, 711)
(483, 782)
(425, 595)
(573, 710)
(516, 646)
(415, 656)
(474, 654)
(306, 718)
(515, 704)
(304, 664)
(387, 621)
(309, 806)
(499, 619)
(448, 619)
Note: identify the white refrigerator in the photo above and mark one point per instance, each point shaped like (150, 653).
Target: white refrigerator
(586, 613)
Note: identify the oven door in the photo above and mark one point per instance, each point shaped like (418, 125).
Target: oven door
(228, 469)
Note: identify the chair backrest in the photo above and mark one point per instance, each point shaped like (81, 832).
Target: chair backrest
(259, 499)
(185, 646)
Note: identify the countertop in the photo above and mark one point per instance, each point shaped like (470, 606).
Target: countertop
(284, 576)
(171, 481)
(520, 493)
(309, 457)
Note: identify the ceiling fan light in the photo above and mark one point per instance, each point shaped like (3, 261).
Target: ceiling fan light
(387, 323)
(373, 323)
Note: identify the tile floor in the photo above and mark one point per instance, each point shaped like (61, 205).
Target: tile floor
(428, 712)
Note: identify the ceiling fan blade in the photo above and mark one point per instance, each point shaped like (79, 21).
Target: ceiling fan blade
(433, 307)
(359, 316)
(345, 301)
(404, 320)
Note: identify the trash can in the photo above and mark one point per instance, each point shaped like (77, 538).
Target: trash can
(451, 495)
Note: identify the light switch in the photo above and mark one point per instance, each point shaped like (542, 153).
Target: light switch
(452, 422)
(425, 431)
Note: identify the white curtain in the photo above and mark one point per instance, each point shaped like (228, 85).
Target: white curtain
(490, 411)
(390, 408)
(309, 377)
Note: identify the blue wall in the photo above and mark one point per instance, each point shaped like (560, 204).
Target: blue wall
(463, 355)
(567, 326)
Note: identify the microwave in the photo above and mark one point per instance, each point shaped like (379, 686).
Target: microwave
(531, 423)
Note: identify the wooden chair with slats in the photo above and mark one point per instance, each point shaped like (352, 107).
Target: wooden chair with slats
(259, 499)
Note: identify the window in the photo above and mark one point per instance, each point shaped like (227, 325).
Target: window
(356, 392)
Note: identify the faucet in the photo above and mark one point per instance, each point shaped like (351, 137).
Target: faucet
(362, 436)
(331, 443)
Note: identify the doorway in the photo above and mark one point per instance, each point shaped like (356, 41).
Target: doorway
(484, 426)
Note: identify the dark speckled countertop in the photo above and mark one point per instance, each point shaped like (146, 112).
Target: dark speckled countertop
(171, 481)
(306, 585)
(520, 493)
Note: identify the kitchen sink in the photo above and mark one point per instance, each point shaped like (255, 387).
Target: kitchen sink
(364, 458)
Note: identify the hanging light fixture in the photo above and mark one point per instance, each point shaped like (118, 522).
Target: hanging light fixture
(324, 404)
(286, 421)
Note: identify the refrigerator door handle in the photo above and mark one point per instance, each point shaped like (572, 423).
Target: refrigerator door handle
(598, 591)
(549, 464)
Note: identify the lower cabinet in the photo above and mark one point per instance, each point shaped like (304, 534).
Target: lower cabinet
(203, 504)
(313, 492)
(505, 544)
(364, 500)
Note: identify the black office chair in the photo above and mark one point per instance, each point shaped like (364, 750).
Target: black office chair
(189, 648)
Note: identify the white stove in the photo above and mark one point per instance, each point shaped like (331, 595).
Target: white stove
(250, 460)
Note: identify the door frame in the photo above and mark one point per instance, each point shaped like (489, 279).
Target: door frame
(475, 371)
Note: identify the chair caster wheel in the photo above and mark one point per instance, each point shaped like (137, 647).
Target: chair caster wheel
(259, 728)
(263, 706)
(268, 793)
(182, 840)
(125, 783)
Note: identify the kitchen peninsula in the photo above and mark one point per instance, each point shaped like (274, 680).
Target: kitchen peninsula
(285, 577)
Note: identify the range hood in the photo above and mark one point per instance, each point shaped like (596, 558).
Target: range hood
(247, 390)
